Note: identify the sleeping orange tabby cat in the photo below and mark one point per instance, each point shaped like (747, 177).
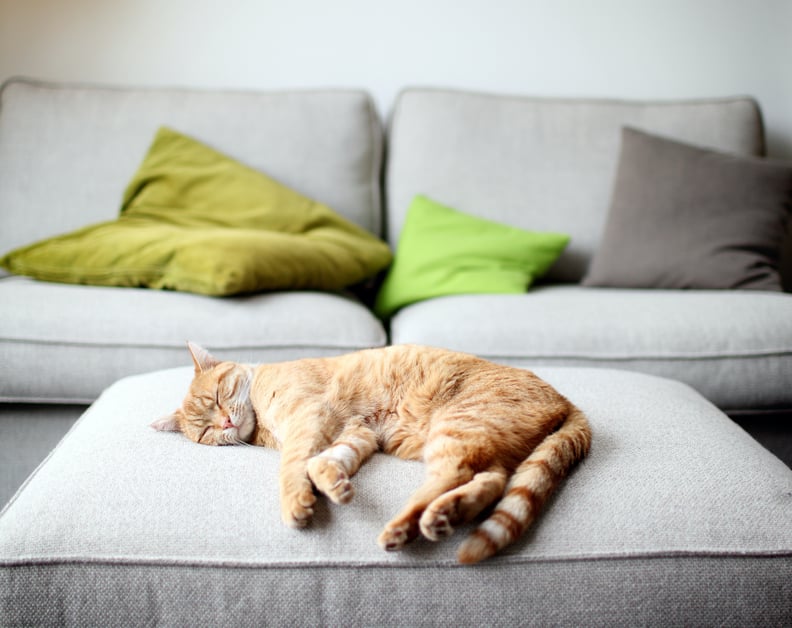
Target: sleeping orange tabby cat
(487, 434)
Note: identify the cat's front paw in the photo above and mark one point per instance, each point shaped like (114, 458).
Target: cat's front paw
(297, 510)
(330, 478)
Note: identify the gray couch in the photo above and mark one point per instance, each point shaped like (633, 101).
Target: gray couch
(550, 165)
(66, 153)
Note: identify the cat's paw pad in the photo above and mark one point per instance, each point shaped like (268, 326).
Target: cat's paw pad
(330, 478)
(394, 538)
(436, 525)
(298, 511)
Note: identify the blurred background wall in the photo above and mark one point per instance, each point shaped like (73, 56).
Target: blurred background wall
(645, 49)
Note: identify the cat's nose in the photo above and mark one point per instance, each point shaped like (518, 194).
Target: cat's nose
(227, 423)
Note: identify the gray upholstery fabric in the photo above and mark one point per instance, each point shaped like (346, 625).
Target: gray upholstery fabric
(664, 591)
(686, 217)
(539, 164)
(734, 347)
(677, 516)
(68, 151)
(56, 348)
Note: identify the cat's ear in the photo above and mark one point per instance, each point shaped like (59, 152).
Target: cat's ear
(169, 423)
(202, 359)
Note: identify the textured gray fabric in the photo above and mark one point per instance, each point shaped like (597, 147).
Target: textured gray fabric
(734, 347)
(676, 515)
(67, 151)
(56, 347)
(539, 164)
(669, 591)
(686, 217)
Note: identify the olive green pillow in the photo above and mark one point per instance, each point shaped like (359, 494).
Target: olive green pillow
(443, 251)
(195, 220)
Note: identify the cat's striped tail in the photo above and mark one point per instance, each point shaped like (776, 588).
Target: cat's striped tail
(530, 486)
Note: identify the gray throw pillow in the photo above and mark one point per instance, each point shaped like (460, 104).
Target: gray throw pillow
(688, 217)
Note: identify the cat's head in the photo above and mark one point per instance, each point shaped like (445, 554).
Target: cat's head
(217, 409)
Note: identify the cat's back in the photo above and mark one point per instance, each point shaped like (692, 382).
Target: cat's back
(465, 379)
(442, 375)
(390, 376)
(409, 363)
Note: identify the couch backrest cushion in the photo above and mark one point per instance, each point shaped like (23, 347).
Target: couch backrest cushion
(539, 164)
(67, 152)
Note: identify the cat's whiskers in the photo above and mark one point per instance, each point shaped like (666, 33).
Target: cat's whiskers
(235, 440)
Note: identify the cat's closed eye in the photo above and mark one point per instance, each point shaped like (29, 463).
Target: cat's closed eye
(203, 433)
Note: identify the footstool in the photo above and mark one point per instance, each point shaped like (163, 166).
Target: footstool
(676, 517)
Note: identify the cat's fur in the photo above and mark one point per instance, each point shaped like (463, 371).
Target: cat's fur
(489, 434)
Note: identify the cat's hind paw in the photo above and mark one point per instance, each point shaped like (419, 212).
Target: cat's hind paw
(395, 537)
(436, 525)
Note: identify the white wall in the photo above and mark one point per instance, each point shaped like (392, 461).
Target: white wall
(653, 49)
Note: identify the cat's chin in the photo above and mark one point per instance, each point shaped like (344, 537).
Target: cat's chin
(243, 433)
(229, 436)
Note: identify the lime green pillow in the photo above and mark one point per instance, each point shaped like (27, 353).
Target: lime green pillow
(443, 251)
(193, 219)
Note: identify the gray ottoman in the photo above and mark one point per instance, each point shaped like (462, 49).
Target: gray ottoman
(676, 517)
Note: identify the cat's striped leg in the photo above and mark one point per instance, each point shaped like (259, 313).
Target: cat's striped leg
(529, 487)
(331, 469)
(462, 504)
(403, 528)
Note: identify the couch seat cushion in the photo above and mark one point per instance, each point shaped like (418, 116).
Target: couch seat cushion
(67, 343)
(676, 516)
(735, 347)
